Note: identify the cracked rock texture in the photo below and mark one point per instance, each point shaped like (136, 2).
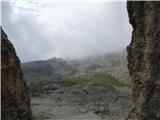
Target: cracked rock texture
(144, 59)
(15, 99)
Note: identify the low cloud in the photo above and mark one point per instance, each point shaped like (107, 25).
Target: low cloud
(65, 29)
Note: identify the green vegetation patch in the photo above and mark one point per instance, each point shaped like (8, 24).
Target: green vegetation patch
(108, 79)
(37, 88)
(68, 81)
(98, 78)
(73, 80)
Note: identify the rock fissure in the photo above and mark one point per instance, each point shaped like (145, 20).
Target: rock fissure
(144, 60)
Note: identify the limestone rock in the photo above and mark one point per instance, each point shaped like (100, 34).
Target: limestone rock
(14, 92)
(144, 59)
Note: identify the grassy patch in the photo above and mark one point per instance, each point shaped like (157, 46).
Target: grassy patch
(98, 78)
(37, 88)
(108, 79)
(72, 80)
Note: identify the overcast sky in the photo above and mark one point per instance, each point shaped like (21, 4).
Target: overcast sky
(46, 29)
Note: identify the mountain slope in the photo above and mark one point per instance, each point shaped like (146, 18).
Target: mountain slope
(114, 63)
(46, 70)
(57, 69)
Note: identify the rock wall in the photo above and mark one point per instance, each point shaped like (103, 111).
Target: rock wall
(14, 92)
(144, 59)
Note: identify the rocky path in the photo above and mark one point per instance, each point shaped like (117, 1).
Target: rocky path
(81, 102)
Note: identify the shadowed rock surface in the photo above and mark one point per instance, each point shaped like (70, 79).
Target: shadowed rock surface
(45, 70)
(14, 92)
(144, 59)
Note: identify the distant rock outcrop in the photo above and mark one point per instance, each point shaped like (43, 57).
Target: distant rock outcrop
(144, 59)
(14, 92)
(45, 70)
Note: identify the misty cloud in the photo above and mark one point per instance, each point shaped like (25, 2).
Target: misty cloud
(65, 29)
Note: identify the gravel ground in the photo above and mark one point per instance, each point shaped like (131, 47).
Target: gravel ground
(81, 102)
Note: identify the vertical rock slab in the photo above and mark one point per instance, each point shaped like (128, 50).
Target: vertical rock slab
(15, 99)
(144, 59)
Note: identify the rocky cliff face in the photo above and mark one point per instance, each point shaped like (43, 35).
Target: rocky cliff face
(14, 92)
(144, 59)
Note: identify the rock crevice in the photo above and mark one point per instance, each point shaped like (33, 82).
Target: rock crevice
(144, 59)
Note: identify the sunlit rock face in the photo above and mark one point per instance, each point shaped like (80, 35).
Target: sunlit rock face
(144, 59)
(15, 101)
